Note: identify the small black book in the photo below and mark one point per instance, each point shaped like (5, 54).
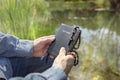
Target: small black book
(66, 36)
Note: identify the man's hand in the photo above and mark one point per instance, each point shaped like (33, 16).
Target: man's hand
(63, 61)
(41, 45)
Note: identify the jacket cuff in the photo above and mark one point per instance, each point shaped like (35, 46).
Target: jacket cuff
(55, 73)
(2, 76)
(24, 48)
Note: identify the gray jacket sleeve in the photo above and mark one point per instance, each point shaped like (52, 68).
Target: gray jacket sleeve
(11, 46)
(53, 73)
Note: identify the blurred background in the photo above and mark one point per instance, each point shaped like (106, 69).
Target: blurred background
(99, 21)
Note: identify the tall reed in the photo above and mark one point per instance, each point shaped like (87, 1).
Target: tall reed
(23, 18)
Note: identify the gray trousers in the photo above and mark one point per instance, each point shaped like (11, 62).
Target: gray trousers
(12, 67)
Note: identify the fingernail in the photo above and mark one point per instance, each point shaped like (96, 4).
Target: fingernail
(63, 48)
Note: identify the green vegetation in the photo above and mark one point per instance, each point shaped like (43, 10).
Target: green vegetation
(24, 18)
(29, 18)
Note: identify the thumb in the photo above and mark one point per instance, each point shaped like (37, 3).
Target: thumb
(62, 51)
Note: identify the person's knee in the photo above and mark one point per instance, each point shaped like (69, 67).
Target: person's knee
(5, 67)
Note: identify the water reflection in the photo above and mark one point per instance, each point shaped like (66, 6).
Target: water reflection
(100, 56)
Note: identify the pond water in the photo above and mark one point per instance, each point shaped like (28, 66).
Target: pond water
(99, 51)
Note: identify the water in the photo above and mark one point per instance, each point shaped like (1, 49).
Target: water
(99, 54)
(99, 51)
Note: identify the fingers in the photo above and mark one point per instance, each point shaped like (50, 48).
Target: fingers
(50, 39)
(73, 54)
(47, 40)
(72, 57)
(69, 54)
(42, 44)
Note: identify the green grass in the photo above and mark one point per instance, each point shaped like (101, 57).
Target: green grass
(25, 18)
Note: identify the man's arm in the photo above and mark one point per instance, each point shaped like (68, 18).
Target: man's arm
(11, 46)
(53, 73)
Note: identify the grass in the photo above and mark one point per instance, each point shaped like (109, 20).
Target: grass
(26, 19)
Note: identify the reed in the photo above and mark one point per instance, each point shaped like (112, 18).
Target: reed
(24, 18)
